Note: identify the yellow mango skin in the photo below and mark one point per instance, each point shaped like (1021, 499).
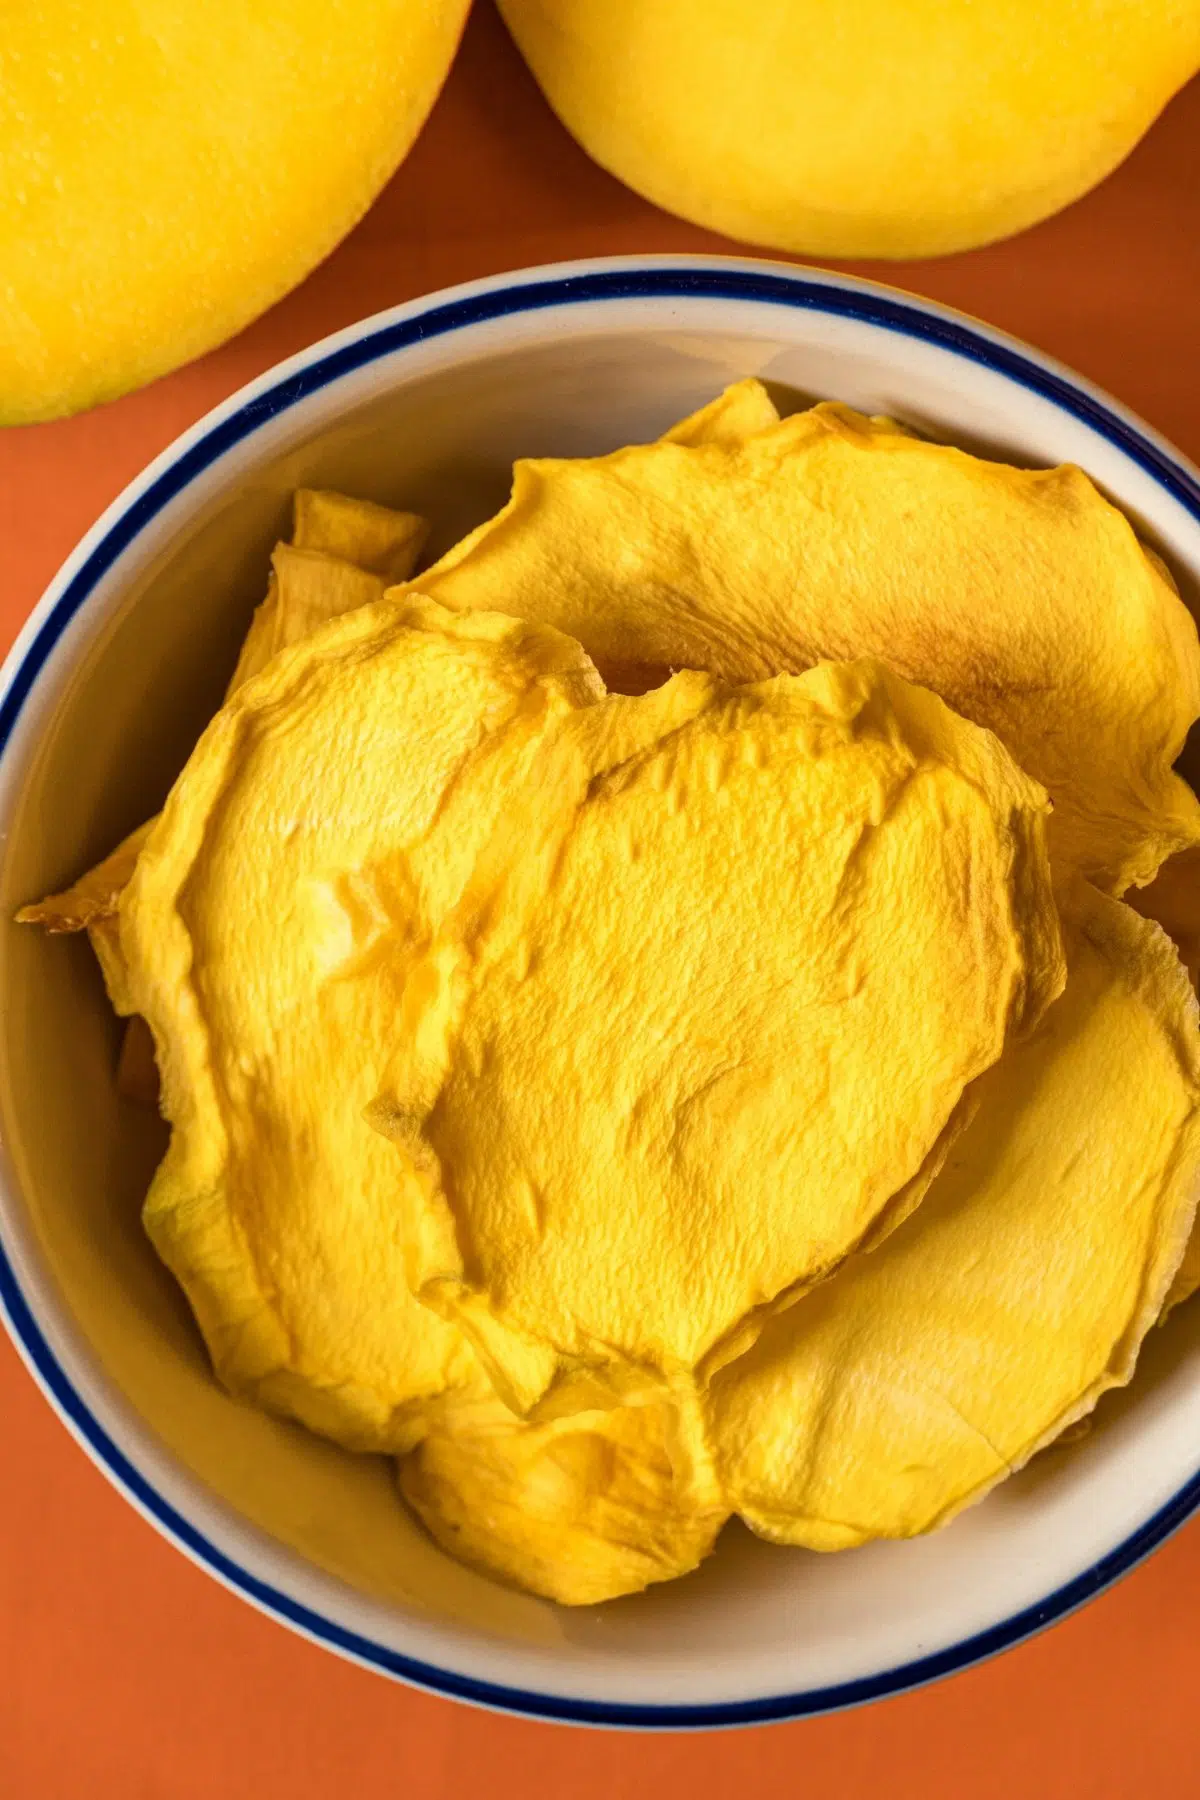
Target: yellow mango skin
(704, 1020)
(876, 128)
(1022, 597)
(581, 1510)
(916, 1378)
(171, 169)
(310, 841)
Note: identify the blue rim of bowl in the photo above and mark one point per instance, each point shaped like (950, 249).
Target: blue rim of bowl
(418, 322)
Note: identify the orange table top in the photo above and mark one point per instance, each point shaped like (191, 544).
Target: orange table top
(124, 1670)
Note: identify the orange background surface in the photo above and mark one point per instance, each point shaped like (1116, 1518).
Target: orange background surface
(126, 1672)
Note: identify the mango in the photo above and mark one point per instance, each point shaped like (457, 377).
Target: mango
(172, 169)
(341, 555)
(311, 837)
(630, 1107)
(581, 1509)
(1022, 596)
(703, 1021)
(848, 128)
(994, 1318)
(1173, 901)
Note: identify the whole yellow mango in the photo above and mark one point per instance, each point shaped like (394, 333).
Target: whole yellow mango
(891, 128)
(171, 169)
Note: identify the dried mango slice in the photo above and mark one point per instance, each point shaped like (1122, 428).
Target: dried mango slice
(375, 538)
(342, 555)
(737, 413)
(921, 1375)
(95, 895)
(324, 819)
(1021, 596)
(306, 590)
(1173, 900)
(104, 935)
(581, 1509)
(91, 905)
(310, 584)
(704, 1020)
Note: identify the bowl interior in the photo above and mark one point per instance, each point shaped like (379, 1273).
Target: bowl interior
(109, 723)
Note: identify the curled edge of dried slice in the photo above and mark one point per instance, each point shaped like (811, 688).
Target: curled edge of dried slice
(313, 580)
(343, 553)
(256, 966)
(1023, 597)
(918, 1377)
(581, 1509)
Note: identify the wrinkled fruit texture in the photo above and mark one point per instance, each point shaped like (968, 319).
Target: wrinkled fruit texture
(304, 854)
(703, 1021)
(579, 1509)
(342, 555)
(591, 1504)
(641, 1511)
(919, 1376)
(893, 128)
(1022, 597)
(171, 169)
(1174, 901)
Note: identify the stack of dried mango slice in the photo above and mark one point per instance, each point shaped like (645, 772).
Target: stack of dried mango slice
(645, 1008)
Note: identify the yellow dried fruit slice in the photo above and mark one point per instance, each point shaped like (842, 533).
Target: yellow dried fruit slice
(309, 585)
(91, 905)
(172, 169)
(342, 555)
(704, 1020)
(734, 415)
(582, 1509)
(737, 413)
(1173, 901)
(324, 821)
(1021, 596)
(104, 935)
(307, 588)
(921, 1375)
(94, 896)
(375, 538)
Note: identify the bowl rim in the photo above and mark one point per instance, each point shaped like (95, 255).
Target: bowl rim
(568, 284)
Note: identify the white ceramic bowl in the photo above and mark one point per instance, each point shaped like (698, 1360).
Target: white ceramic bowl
(102, 698)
